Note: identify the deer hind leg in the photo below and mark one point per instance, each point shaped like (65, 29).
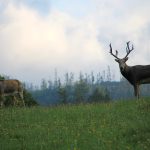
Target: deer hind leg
(137, 91)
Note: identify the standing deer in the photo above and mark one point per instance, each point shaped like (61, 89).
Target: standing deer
(10, 88)
(136, 75)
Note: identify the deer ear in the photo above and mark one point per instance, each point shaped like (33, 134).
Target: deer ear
(116, 60)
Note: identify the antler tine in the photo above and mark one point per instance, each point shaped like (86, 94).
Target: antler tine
(128, 50)
(129, 47)
(110, 48)
(112, 52)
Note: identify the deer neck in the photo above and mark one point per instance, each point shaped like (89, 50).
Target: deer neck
(126, 72)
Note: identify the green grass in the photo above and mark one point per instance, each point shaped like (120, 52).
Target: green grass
(123, 125)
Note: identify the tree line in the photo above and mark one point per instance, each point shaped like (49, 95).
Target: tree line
(85, 89)
(88, 88)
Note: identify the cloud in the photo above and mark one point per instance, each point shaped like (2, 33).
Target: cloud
(34, 45)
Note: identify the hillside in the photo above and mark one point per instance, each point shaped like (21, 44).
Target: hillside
(121, 125)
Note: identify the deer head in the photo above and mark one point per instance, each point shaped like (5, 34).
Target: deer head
(122, 61)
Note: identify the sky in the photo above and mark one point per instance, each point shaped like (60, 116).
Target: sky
(38, 37)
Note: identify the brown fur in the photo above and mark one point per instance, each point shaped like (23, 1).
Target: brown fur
(10, 87)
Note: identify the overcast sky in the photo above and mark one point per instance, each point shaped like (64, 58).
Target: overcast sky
(39, 36)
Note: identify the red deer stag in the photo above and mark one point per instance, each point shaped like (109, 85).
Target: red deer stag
(10, 88)
(136, 75)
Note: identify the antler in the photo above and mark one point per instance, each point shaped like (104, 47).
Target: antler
(128, 50)
(112, 52)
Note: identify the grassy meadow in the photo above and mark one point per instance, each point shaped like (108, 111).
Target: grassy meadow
(122, 125)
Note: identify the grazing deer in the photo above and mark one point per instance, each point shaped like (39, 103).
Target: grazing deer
(136, 75)
(10, 88)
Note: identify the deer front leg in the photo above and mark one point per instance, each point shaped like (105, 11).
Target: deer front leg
(2, 100)
(1, 103)
(14, 101)
(136, 91)
(22, 97)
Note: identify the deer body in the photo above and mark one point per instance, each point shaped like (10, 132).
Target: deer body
(136, 75)
(10, 88)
